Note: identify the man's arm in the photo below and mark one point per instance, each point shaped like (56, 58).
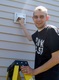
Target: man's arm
(28, 35)
(49, 64)
(46, 66)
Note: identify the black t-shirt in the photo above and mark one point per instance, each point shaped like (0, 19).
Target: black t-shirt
(46, 42)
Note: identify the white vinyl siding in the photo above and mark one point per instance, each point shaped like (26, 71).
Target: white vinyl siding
(13, 42)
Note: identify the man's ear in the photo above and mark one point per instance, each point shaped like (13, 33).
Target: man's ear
(47, 18)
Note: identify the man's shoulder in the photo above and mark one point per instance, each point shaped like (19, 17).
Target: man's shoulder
(53, 28)
(35, 32)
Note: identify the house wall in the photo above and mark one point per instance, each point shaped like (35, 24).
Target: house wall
(13, 42)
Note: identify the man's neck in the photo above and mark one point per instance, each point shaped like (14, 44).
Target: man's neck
(41, 29)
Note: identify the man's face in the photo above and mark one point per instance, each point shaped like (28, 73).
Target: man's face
(39, 19)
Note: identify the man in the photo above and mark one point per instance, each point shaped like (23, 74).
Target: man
(46, 42)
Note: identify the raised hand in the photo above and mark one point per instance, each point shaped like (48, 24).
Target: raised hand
(21, 21)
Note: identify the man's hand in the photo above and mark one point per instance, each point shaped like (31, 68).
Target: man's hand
(21, 21)
(27, 70)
